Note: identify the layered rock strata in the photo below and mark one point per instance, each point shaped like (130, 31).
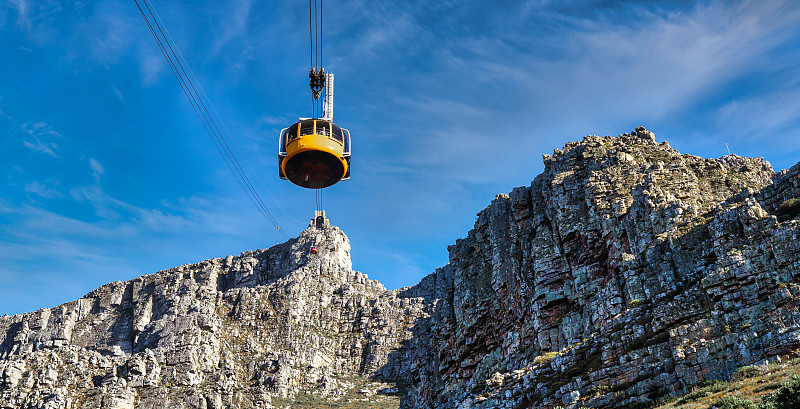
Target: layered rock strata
(229, 332)
(626, 272)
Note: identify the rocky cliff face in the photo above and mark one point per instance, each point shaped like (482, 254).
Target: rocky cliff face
(624, 273)
(246, 331)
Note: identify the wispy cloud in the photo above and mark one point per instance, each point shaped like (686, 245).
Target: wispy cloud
(564, 72)
(110, 247)
(39, 146)
(97, 168)
(41, 137)
(21, 8)
(35, 18)
(234, 25)
(118, 94)
(763, 115)
(47, 190)
(661, 62)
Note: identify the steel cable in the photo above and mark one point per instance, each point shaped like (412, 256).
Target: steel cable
(189, 89)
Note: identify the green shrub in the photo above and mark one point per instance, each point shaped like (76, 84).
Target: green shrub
(714, 385)
(787, 397)
(745, 372)
(599, 390)
(733, 402)
(693, 396)
(704, 389)
(547, 357)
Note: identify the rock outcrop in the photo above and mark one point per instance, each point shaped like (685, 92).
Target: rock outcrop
(245, 331)
(626, 272)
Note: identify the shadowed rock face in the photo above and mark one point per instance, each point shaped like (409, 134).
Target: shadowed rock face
(624, 273)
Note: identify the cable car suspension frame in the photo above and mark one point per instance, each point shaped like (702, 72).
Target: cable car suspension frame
(314, 153)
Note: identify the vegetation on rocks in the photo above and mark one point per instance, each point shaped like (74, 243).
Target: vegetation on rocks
(775, 386)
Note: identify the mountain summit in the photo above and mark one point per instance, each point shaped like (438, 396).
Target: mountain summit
(228, 332)
(626, 272)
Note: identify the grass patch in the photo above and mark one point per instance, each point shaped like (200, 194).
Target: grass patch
(307, 398)
(703, 389)
(787, 397)
(545, 358)
(590, 362)
(746, 372)
(775, 387)
(733, 402)
(599, 390)
(766, 387)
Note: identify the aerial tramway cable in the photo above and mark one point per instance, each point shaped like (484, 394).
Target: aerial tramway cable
(316, 74)
(319, 199)
(187, 81)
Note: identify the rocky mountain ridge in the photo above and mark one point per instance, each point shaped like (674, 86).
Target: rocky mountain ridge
(228, 332)
(626, 272)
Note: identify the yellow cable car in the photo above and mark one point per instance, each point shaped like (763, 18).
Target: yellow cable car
(314, 153)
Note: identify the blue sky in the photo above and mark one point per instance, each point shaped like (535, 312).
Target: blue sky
(107, 174)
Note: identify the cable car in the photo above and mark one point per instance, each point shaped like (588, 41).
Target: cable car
(314, 153)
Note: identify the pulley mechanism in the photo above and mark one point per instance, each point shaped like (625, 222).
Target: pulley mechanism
(316, 81)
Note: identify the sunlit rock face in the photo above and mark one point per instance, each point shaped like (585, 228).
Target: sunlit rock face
(626, 272)
(228, 332)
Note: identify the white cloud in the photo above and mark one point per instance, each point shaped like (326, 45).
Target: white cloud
(39, 146)
(34, 18)
(118, 94)
(151, 66)
(41, 137)
(658, 64)
(234, 23)
(489, 91)
(761, 115)
(21, 7)
(111, 209)
(97, 168)
(45, 190)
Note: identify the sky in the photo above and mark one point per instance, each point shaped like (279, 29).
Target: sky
(106, 173)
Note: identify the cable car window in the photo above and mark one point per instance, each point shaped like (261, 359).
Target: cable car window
(323, 128)
(346, 150)
(282, 142)
(291, 133)
(306, 127)
(337, 133)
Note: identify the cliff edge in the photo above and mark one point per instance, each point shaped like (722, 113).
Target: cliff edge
(625, 273)
(246, 331)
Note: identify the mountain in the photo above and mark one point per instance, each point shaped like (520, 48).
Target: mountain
(625, 273)
(228, 332)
